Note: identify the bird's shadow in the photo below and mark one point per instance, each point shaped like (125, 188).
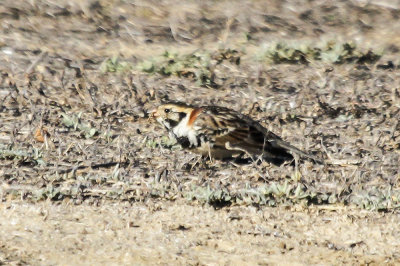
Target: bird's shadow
(204, 163)
(246, 161)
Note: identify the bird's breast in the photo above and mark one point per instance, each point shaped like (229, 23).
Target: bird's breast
(184, 131)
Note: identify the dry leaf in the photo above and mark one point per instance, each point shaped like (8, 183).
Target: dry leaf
(40, 133)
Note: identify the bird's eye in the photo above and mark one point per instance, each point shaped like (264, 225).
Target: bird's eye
(167, 111)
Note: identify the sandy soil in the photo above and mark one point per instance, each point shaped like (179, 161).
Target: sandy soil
(87, 179)
(177, 233)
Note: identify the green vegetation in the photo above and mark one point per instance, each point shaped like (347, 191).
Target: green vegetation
(33, 155)
(164, 142)
(114, 64)
(74, 121)
(197, 66)
(272, 194)
(200, 65)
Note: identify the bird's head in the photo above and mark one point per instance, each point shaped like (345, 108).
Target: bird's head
(171, 114)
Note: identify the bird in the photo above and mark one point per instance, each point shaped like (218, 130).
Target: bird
(222, 133)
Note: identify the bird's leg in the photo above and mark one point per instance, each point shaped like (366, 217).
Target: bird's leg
(297, 174)
(209, 154)
(261, 157)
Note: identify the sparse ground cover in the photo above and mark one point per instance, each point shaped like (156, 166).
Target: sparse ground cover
(80, 159)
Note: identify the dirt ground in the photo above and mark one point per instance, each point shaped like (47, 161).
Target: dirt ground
(178, 233)
(87, 178)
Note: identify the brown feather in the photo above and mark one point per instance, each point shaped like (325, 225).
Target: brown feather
(193, 116)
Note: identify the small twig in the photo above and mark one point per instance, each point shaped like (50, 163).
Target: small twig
(326, 151)
(35, 62)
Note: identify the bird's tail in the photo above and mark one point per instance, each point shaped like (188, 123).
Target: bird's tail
(289, 149)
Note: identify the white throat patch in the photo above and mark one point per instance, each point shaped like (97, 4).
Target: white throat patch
(183, 130)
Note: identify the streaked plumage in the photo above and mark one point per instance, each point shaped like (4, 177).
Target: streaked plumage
(221, 133)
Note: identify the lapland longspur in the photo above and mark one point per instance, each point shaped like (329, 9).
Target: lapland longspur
(220, 133)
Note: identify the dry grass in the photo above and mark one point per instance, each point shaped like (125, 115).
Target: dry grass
(77, 79)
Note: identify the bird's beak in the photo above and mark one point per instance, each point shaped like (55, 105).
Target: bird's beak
(153, 113)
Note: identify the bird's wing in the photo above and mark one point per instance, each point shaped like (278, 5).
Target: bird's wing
(243, 133)
(224, 126)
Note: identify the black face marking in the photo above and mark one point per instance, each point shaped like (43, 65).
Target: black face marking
(182, 115)
(172, 123)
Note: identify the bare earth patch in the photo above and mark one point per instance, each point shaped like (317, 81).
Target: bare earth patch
(87, 178)
(174, 232)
